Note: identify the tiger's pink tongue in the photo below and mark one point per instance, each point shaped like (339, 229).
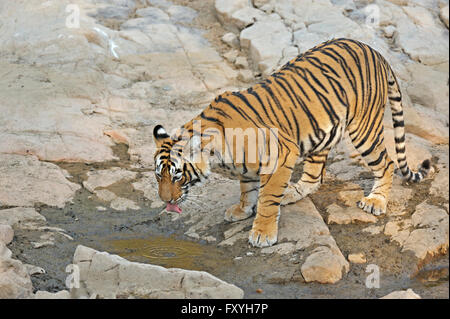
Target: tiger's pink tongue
(173, 208)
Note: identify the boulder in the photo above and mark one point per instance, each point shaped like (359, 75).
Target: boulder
(423, 42)
(15, 283)
(123, 204)
(20, 216)
(105, 178)
(402, 294)
(348, 215)
(63, 294)
(439, 186)
(323, 266)
(225, 10)
(358, 258)
(429, 87)
(26, 181)
(110, 276)
(231, 39)
(302, 223)
(266, 40)
(430, 238)
(6, 234)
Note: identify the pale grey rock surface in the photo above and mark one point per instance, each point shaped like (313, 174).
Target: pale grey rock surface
(110, 276)
(27, 181)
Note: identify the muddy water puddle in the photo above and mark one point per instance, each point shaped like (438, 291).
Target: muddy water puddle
(168, 252)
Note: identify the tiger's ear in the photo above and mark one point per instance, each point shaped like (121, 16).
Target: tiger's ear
(160, 135)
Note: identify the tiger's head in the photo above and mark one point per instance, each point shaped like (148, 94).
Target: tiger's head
(174, 171)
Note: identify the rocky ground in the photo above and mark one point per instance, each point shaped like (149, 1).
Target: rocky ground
(78, 105)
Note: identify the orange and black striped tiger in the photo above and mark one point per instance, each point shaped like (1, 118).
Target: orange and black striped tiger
(340, 85)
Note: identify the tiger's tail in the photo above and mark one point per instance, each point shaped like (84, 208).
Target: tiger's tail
(395, 99)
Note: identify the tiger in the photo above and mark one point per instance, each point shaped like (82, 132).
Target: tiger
(338, 87)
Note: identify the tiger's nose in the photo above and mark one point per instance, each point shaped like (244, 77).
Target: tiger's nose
(165, 197)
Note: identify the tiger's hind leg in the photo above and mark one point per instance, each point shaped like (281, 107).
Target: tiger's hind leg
(247, 204)
(312, 177)
(374, 152)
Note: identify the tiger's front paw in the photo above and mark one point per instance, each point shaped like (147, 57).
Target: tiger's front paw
(235, 213)
(263, 237)
(373, 205)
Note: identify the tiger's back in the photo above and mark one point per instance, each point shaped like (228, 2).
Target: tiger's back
(315, 96)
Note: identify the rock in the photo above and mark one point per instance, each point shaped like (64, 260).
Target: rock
(231, 39)
(105, 178)
(63, 294)
(5, 253)
(26, 181)
(404, 294)
(421, 91)
(149, 186)
(155, 14)
(105, 195)
(323, 266)
(246, 16)
(359, 258)
(233, 239)
(339, 215)
(225, 10)
(306, 40)
(110, 276)
(20, 216)
(427, 215)
(246, 76)
(210, 239)
(424, 43)
(439, 186)
(420, 16)
(260, 3)
(281, 249)
(6, 234)
(122, 204)
(241, 62)
(443, 14)
(181, 14)
(431, 238)
(61, 132)
(373, 230)
(398, 230)
(389, 31)
(237, 227)
(33, 270)
(303, 224)
(231, 56)
(117, 136)
(266, 48)
(289, 53)
(15, 283)
(46, 239)
(399, 198)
